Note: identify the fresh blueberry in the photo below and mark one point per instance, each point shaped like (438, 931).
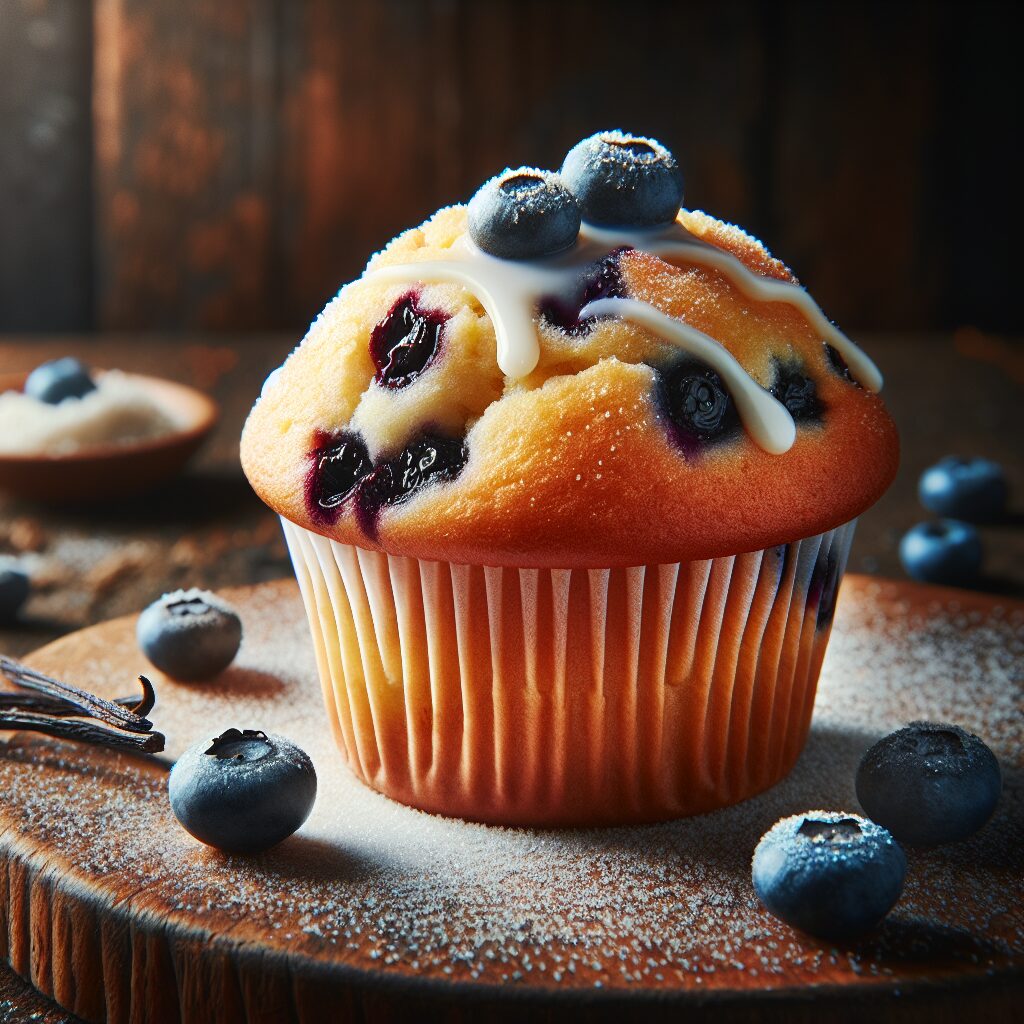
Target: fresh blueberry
(602, 280)
(624, 180)
(405, 342)
(524, 214)
(14, 591)
(243, 792)
(797, 392)
(698, 405)
(189, 634)
(337, 463)
(427, 460)
(830, 874)
(972, 489)
(945, 551)
(62, 378)
(929, 783)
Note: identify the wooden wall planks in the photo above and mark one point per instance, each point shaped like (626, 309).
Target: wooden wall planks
(250, 154)
(185, 163)
(45, 165)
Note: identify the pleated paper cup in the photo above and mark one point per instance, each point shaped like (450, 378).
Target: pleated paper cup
(557, 696)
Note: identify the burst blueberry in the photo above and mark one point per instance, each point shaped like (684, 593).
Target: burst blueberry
(971, 489)
(427, 460)
(405, 342)
(838, 364)
(524, 214)
(58, 380)
(338, 463)
(602, 280)
(14, 590)
(698, 405)
(622, 180)
(946, 551)
(830, 874)
(929, 783)
(823, 588)
(797, 392)
(190, 635)
(244, 792)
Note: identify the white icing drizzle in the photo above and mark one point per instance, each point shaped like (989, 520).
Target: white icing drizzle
(510, 291)
(766, 419)
(675, 240)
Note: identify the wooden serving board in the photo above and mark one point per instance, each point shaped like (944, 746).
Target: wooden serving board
(375, 912)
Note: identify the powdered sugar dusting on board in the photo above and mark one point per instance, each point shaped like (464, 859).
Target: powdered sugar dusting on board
(375, 885)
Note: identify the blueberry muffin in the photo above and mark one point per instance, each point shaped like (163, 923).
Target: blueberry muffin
(569, 477)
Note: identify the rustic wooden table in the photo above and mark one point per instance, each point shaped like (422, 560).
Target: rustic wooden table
(960, 394)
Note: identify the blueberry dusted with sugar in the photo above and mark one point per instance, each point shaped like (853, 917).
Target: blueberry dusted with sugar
(429, 459)
(832, 875)
(339, 463)
(797, 392)
(14, 590)
(405, 342)
(243, 792)
(623, 180)
(699, 407)
(190, 635)
(945, 551)
(55, 381)
(929, 783)
(524, 214)
(972, 489)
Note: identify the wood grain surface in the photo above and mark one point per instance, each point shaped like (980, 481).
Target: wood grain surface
(107, 906)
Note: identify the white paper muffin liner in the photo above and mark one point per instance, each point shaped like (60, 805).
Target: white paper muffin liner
(557, 696)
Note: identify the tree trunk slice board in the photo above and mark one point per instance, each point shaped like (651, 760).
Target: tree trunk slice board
(376, 912)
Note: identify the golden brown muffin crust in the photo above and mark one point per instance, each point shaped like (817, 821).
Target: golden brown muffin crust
(573, 465)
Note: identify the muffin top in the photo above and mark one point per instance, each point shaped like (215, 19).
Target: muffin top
(572, 372)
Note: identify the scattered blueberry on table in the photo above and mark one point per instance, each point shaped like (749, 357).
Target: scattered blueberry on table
(190, 635)
(971, 489)
(244, 792)
(929, 783)
(622, 180)
(524, 214)
(945, 551)
(830, 874)
(14, 590)
(55, 381)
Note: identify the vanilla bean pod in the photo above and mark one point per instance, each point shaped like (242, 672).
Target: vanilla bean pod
(105, 711)
(43, 705)
(143, 707)
(63, 707)
(82, 732)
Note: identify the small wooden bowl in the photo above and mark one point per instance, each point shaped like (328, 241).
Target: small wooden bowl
(102, 472)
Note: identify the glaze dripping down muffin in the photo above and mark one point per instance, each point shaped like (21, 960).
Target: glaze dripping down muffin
(400, 379)
(569, 477)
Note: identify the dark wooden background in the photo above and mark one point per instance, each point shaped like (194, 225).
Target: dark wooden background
(226, 164)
